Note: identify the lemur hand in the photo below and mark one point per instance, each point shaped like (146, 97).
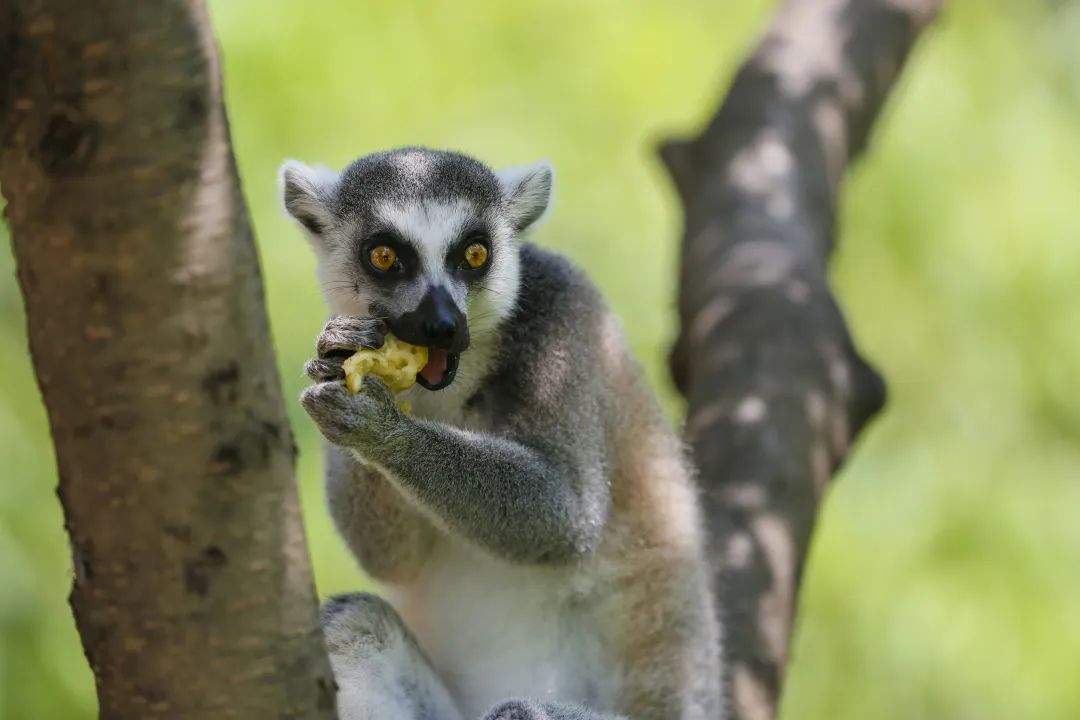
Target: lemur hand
(362, 421)
(341, 337)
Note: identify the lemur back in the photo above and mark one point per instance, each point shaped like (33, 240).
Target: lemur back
(534, 523)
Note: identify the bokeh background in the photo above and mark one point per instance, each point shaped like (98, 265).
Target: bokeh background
(944, 581)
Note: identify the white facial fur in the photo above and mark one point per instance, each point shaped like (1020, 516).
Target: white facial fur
(430, 199)
(435, 225)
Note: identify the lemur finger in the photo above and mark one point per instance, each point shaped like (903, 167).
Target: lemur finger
(344, 335)
(379, 391)
(328, 404)
(350, 420)
(322, 370)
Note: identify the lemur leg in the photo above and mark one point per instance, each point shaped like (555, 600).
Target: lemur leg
(380, 671)
(533, 710)
(389, 537)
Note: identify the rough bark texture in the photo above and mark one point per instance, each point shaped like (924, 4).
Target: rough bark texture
(777, 391)
(193, 592)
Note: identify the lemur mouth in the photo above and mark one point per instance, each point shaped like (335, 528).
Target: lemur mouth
(440, 369)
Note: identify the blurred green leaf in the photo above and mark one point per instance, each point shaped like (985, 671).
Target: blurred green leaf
(945, 577)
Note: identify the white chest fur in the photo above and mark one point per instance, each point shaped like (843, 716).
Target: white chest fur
(496, 631)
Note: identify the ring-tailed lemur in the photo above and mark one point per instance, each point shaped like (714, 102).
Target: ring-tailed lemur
(533, 521)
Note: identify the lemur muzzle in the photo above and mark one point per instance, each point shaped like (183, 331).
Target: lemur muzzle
(438, 324)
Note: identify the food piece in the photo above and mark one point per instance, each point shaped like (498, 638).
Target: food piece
(396, 363)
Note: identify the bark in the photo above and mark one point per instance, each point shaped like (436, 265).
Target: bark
(193, 592)
(775, 387)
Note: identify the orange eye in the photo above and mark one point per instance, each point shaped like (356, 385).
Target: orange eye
(383, 257)
(476, 255)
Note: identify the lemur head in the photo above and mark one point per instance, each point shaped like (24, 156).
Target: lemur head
(426, 240)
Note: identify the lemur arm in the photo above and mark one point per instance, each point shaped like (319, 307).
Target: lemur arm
(518, 501)
(526, 500)
(387, 535)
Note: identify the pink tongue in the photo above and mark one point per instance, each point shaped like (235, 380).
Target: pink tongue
(436, 366)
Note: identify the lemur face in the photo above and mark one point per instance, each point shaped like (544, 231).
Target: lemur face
(426, 240)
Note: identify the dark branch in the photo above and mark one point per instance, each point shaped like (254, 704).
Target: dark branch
(776, 389)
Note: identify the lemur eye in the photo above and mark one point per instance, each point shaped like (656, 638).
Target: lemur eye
(383, 257)
(476, 255)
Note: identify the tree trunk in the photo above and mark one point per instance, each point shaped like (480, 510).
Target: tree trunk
(193, 592)
(776, 390)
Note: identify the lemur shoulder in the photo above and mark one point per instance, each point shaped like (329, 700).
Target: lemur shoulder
(533, 523)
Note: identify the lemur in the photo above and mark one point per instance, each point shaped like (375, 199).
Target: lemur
(533, 521)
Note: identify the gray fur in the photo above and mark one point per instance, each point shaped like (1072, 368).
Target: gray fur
(306, 194)
(339, 339)
(343, 212)
(388, 536)
(524, 455)
(349, 333)
(367, 639)
(535, 710)
(528, 193)
(535, 492)
(380, 670)
(415, 173)
(395, 176)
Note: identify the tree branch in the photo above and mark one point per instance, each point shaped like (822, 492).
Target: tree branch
(777, 391)
(193, 592)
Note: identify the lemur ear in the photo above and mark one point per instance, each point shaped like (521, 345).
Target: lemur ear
(527, 191)
(305, 192)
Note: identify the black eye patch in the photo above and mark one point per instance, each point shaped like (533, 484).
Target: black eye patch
(455, 256)
(406, 264)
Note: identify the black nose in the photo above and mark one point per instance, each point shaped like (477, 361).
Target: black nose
(435, 322)
(441, 330)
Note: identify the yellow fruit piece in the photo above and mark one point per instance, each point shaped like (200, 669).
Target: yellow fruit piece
(396, 363)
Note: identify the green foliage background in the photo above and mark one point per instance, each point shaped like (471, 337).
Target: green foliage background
(945, 578)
